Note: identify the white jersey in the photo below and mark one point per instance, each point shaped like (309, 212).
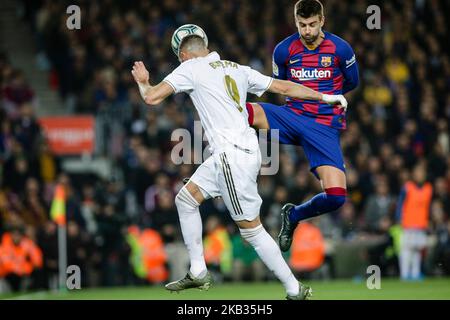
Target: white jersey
(218, 89)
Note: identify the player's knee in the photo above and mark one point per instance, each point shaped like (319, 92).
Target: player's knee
(184, 198)
(256, 116)
(336, 197)
(251, 233)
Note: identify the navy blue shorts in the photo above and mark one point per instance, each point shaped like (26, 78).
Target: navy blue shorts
(321, 143)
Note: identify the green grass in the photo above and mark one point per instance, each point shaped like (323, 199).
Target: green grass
(322, 290)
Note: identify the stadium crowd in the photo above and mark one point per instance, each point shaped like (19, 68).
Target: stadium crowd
(397, 121)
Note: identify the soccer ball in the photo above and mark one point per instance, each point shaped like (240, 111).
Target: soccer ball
(184, 31)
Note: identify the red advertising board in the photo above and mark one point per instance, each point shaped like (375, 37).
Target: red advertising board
(69, 135)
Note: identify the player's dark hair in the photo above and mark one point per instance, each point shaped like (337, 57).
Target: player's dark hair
(192, 43)
(308, 8)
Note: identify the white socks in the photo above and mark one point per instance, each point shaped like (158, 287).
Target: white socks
(265, 246)
(270, 254)
(191, 227)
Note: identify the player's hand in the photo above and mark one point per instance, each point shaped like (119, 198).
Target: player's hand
(140, 73)
(338, 100)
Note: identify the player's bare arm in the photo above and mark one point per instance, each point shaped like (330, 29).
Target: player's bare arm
(298, 91)
(152, 95)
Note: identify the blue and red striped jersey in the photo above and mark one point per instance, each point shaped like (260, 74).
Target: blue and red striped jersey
(330, 68)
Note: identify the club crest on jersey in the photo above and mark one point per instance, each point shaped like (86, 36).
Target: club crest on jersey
(325, 61)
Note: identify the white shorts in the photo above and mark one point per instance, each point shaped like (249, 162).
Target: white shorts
(231, 174)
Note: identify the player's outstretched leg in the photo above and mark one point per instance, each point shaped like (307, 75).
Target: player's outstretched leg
(189, 282)
(270, 254)
(333, 181)
(328, 201)
(305, 293)
(287, 228)
(188, 201)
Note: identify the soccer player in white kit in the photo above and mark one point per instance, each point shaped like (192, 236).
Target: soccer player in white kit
(218, 90)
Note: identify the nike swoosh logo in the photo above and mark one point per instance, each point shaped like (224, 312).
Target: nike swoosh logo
(293, 61)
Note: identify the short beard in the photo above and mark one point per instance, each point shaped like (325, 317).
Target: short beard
(312, 40)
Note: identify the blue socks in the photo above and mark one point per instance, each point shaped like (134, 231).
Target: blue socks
(330, 200)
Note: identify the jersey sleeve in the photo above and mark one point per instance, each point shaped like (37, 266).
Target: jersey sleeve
(348, 66)
(181, 79)
(279, 57)
(257, 82)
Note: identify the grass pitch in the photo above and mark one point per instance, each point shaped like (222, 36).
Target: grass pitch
(391, 289)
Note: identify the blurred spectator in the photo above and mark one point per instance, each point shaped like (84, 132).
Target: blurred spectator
(246, 264)
(18, 171)
(378, 93)
(6, 138)
(438, 258)
(272, 220)
(26, 128)
(46, 165)
(77, 246)
(73, 205)
(147, 254)
(442, 193)
(165, 218)
(307, 250)
(348, 222)
(162, 183)
(19, 257)
(35, 212)
(111, 224)
(15, 93)
(48, 242)
(217, 248)
(378, 206)
(413, 212)
(386, 250)
(90, 209)
(300, 188)
(443, 248)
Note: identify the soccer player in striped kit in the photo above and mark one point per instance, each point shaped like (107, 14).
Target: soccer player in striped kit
(324, 62)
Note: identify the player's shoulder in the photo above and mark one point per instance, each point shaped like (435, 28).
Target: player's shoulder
(284, 44)
(289, 39)
(338, 41)
(185, 66)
